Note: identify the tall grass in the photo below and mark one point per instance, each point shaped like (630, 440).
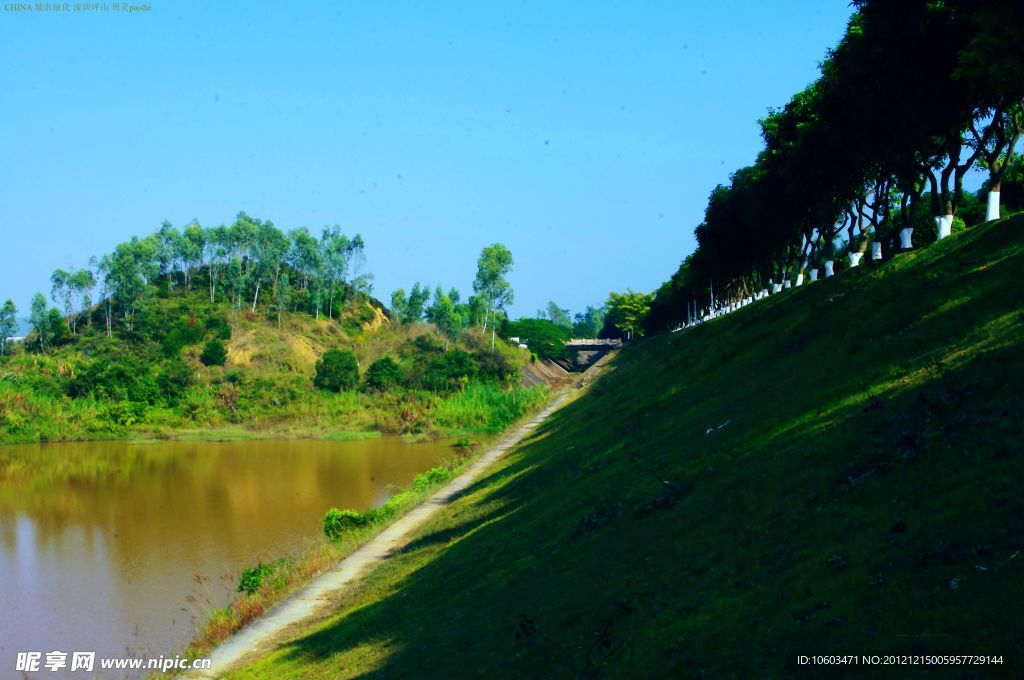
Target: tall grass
(488, 408)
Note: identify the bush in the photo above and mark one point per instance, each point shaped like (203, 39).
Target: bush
(173, 379)
(337, 371)
(221, 328)
(184, 333)
(252, 578)
(431, 477)
(336, 522)
(214, 353)
(449, 372)
(383, 374)
(119, 379)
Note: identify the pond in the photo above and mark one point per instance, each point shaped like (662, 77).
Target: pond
(101, 543)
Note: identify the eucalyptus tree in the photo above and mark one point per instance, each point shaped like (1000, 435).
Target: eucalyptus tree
(82, 282)
(558, 316)
(8, 324)
(442, 314)
(216, 242)
(494, 264)
(133, 266)
(168, 241)
(269, 248)
(190, 249)
(60, 290)
(38, 320)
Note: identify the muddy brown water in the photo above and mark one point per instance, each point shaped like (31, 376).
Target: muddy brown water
(101, 542)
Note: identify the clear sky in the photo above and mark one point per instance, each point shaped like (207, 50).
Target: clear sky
(584, 136)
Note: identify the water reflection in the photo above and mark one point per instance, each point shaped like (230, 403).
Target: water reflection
(100, 541)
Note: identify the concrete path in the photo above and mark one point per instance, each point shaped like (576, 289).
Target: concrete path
(319, 593)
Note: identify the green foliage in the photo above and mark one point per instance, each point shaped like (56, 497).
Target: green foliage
(383, 374)
(8, 324)
(626, 314)
(337, 371)
(219, 327)
(214, 353)
(185, 332)
(116, 378)
(544, 338)
(252, 578)
(337, 522)
(450, 371)
(433, 477)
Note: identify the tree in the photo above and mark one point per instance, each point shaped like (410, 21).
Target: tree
(493, 266)
(442, 314)
(627, 311)
(39, 322)
(383, 374)
(8, 324)
(337, 371)
(81, 283)
(545, 339)
(168, 247)
(589, 323)
(558, 316)
(214, 353)
(410, 309)
(190, 248)
(60, 290)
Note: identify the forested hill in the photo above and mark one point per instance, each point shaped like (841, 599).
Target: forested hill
(247, 330)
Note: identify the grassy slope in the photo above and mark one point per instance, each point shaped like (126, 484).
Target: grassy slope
(863, 498)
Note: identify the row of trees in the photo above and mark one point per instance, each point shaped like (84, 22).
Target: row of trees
(248, 263)
(486, 307)
(917, 94)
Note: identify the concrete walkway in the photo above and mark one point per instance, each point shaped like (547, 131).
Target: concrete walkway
(309, 600)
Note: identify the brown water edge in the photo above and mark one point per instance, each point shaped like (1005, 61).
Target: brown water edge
(100, 541)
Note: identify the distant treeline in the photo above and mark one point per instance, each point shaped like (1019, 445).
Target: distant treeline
(916, 94)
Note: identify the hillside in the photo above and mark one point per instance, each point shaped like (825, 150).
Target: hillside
(834, 470)
(154, 380)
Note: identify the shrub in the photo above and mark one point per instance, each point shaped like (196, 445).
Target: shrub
(337, 371)
(173, 379)
(214, 353)
(221, 328)
(451, 371)
(336, 522)
(383, 374)
(431, 477)
(184, 333)
(251, 579)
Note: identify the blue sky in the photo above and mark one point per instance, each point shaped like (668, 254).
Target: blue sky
(584, 136)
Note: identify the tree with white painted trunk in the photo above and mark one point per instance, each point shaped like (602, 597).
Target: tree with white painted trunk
(997, 143)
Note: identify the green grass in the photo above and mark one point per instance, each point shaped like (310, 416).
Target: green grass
(834, 470)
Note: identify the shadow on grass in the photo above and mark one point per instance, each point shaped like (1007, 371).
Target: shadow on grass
(833, 509)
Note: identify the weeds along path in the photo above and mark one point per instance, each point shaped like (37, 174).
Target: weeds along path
(319, 593)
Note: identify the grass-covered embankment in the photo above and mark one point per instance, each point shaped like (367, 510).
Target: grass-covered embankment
(835, 470)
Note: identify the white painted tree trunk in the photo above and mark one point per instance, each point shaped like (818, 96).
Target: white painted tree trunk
(813, 274)
(776, 287)
(787, 284)
(993, 206)
(829, 268)
(800, 279)
(943, 226)
(905, 238)
(876, 251)
(854, 258)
